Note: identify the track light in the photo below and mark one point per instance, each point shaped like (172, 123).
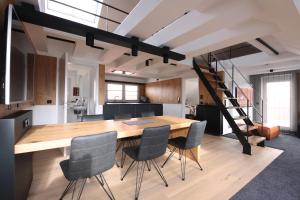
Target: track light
(147, 62)
(134, 47)
(166, 54)
(89, 40)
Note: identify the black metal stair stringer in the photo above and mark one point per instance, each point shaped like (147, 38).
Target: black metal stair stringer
(240, 111)
(234, 102)
(218, 101)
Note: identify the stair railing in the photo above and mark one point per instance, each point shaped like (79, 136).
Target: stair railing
(232, 77)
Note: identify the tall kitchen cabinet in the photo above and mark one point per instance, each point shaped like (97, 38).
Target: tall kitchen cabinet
(44, 80)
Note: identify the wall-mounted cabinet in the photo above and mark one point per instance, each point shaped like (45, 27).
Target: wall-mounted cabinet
(45, 80)
(167, 91)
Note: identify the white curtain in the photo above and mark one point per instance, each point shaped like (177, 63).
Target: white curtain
(279, 95)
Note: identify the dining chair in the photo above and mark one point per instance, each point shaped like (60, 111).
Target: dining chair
(90, 156)
(153, 144)
(193, 139)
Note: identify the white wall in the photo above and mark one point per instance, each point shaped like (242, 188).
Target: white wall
(44, 114)
(191, 91)
(175, 110)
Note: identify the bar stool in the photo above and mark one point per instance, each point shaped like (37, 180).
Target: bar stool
(153, 144)
(193, 139)
(90, 156)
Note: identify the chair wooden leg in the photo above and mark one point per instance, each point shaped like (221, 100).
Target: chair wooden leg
(183, 164)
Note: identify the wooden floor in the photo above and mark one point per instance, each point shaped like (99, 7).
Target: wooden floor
(226, 171)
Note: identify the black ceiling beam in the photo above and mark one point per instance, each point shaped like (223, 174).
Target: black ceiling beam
(267, 45)
(53, 22)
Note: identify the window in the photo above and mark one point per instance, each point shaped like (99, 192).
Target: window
(122, 92)
(114, 92)
(131, 92)
(278, 106)
(63, 9)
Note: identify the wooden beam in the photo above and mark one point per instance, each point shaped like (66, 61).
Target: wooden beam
(101, 84)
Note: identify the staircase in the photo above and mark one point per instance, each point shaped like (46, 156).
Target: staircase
(247, 132)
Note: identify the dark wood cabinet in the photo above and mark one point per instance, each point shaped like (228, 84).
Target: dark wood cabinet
(135, 109)
(213, 116)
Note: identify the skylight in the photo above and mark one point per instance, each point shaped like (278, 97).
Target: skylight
(67, 9)
(122, 72)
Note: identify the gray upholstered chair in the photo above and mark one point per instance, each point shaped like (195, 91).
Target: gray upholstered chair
(90, 156)
(153, 144)
(87, 118)
(193, 139)
(148, 114)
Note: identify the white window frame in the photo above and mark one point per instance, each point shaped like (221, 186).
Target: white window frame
(123, 92)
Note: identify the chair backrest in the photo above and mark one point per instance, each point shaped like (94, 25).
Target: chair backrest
(195, 134)
(148, 114)
(87, 118)
(92, 154)
(122, 116)
(154, 142)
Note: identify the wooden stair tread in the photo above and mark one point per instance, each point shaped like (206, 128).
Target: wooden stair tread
(240, 117)
(204, 67)
(229, 98)
(214, 80)
(222, 89)
(243, 128)
(209, 73)
(235, 107)
(254, 139)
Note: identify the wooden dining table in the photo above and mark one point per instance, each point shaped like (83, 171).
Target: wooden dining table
(45, 137)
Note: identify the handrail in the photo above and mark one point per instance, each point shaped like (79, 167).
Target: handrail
(237, 69)
(234, 83)
(251, 105)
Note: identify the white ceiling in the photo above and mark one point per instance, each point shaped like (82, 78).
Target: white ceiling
(190, 27)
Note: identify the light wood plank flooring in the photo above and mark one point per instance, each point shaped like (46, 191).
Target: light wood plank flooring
(226, 171)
